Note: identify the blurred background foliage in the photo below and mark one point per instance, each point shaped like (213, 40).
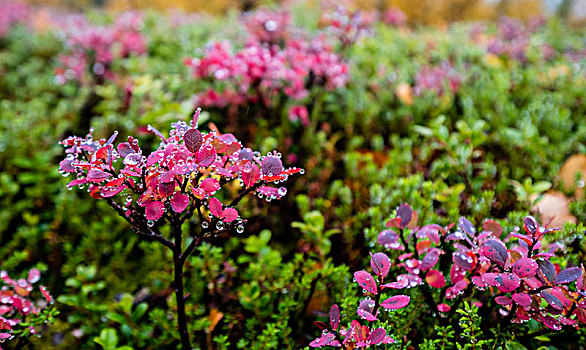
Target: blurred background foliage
(495, 135)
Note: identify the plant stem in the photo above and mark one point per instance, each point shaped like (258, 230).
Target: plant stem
(179, 289)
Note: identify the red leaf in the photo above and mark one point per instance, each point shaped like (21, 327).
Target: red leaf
(396, 302)
(366, 281)
(492, 226)
(215, 207)
(154, 210)
(435, 279)
(179, 202)
(46, 294)
(320, 325)
(334, 316)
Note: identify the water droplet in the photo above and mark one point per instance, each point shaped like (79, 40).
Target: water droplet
(204, 225)
(150, 223)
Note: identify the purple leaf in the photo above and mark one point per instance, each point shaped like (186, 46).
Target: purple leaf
(405, 212)
(154, 210)
(124, 149)
(388, 239)
(495, 251)
(547, 269)
(66, 165)
(179, 202)
(334, 316)
(531, 225)
(525, 267)
(366, 281)
(462, 260)
(431, 231)
(377, 336)
(271, 166)
(396, 302)
(380, 264)
(430, 259)
(466, 226)
(97, 175)
(568, 275)
(193, 140)
(552, 300)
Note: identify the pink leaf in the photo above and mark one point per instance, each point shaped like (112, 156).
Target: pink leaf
(179, 202)
(507, 282)
(206, 156)
(366, 281)
(66, 165)
(34, 275)
(495, 251)
(153, 158)
(525, 267)
(216, 207)
(46, 294)
(380, 264)
(229, 214)
(443, 308)
(366, 315)
(522, 299)
(396, 302)
(111, 192)
(154, 210)
(250, 174)
(502, 300)
(210, 185)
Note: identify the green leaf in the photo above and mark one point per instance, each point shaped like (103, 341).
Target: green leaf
(107, 339)
(512, 345)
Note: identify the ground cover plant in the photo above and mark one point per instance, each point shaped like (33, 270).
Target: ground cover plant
(440, 205)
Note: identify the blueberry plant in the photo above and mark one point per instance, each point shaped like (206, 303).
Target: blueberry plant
(511, 273)
(20, 314)
(357, 335)
(181, 179)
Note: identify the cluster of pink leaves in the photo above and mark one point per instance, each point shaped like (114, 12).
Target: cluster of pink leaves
(271, 27)
(12, 13)
(394, 17)
(92, 48)
(15, 303)
(258, 72)
(363, 335)
(521, 278)
(349, 26)
(437, 79)
(188, 169)
(271, 64)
